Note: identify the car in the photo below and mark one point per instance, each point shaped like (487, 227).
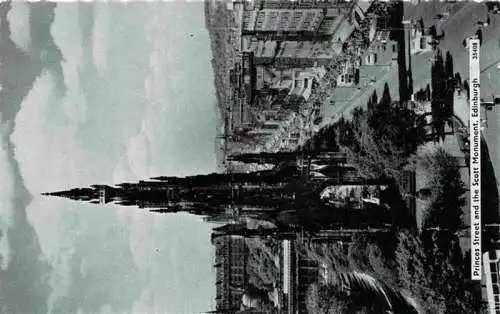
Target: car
(488, 105)
(434, 42)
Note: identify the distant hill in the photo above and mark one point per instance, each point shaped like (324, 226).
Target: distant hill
(221, 26)
(218, 20)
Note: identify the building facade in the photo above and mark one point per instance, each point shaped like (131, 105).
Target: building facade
(491, 273)
(230, 264)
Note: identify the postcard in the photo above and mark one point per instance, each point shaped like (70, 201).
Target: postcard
(237, 156)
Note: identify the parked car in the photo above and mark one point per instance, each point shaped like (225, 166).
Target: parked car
(488, 105)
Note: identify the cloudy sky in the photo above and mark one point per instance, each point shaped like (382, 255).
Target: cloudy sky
(102, 93)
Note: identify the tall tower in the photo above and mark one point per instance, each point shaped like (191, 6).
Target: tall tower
(102, 195)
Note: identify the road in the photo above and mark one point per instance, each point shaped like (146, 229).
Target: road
(455, 31)
(421, 67)
(461, 24)
(421, 63)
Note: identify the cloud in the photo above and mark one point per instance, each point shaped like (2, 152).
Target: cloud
(6, 199)
(88, 249)
(100, 36)
(46, 125)
(145, 304)
(60, 278)
(67, 34)
(137, 164)
(178, 249)
(122, 171)
(68, 37)
(44, 140)
(162, 57)
(138, 153)
(154, 83)
(141, 227)
(18, 18)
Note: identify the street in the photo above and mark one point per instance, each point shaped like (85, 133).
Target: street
(461, 23)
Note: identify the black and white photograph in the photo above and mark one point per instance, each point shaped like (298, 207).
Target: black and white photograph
(249, 157)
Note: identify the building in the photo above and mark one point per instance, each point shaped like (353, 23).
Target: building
(242, 80)
(298, 80)
(354, 195)
(298, 273)
(230, 264)
(287, 273)
(308, 274)
(420, 39)
(282, 20)
(382, 50)
(265, 129)
(332, 20)
(323, 4)
(491, 273)
(378, 58)
(341, 35)
(347, 75)
(358, 12)
(302, 84)
(288, 53)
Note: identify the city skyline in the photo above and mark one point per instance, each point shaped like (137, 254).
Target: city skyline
(249, 157)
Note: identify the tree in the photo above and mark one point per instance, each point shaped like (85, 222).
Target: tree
(369, 104)
(440, 110)
(449, 65)
(467, 88)
(261, 269)
(413, 276)
(448, 272)
(450, 86)
(421, 25)
(326, 299)
(330, 254)
(433, 31)
(366, 254)
(458, 80)
(378, 141)
(444, 180)
(479, 35)
(385, 101)
(374, 98)
(374, 158)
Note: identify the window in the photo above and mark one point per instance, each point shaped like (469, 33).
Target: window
(494, 278)
(422, 43)
(495, 289)
(393, 47)
(493, 267)
(493, 255)
(306, 83)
